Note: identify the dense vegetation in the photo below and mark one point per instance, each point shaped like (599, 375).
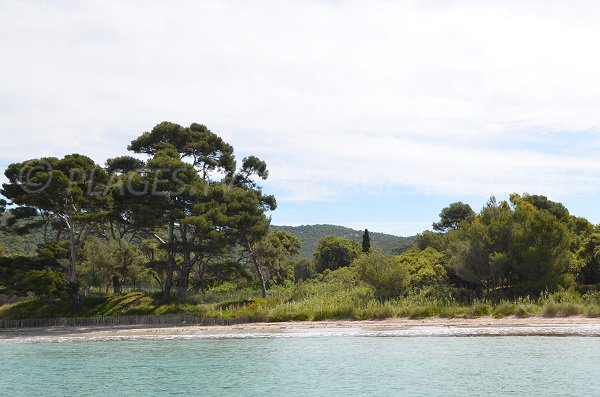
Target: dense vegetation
(187, 230)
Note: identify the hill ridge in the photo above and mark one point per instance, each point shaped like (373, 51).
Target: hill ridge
(310, 235)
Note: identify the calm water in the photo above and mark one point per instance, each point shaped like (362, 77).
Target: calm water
(315, 366)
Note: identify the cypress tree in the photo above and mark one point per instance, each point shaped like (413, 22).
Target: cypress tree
(366, 242)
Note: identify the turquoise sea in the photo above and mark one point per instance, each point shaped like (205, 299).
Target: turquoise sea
(303, 365)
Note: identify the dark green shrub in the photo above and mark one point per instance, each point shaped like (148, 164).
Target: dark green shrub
(384, 273)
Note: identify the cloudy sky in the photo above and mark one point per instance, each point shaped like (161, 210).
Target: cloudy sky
(369, 113)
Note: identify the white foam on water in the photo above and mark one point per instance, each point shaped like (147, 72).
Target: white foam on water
(416, 331)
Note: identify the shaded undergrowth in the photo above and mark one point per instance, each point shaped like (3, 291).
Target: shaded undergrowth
(333, 295)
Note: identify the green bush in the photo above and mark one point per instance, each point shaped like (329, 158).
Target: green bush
(424, 267)
(387, 276)
(303, 269)
(45, 284)
(563, 309)
(591, 298)
(479, 310)
(334, 252)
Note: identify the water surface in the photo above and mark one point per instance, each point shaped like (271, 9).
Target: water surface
(317, 365)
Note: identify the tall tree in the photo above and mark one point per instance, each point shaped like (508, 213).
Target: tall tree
(589, 258)
(207, 207)
(111, 262)
(515, 247)
(539, 251)
(174, 184)
(452, 216)
(274, 253)
(334, 252)
(384, 273)
(206, 151)
(366, 242)
(71, 191)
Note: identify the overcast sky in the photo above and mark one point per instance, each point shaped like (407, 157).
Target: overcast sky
(369, 114)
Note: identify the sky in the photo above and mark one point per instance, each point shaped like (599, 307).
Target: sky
(369, 114)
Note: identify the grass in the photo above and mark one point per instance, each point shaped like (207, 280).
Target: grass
(333, 295)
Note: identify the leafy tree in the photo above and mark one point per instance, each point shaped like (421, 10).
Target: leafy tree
(45, 284)
(272, 256)
(303, 269)
(218, 270)
(477, 253)
(56, 250)
(207, 206)
(588, 255)
(249, 225)
(431, 239)
(366, 242)
(15, 276)
(206, 150)
(543, 203)
(384, 273)
(539, 249)
(71, 191)
(516, 246)
(452, 216)
(469, 257)
(111, 263)
(425, 268)
(123, 165)
(335, 252)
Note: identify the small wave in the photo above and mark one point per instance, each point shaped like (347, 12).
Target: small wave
(417, 331)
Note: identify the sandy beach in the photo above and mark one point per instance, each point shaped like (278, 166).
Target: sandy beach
(563, 326)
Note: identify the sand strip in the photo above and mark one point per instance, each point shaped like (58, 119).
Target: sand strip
(390, 327)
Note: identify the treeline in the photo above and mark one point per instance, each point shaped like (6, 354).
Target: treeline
(520, 247)
(183, 215)
(310, 235)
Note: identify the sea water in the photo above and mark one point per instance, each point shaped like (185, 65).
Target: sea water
(302, 364)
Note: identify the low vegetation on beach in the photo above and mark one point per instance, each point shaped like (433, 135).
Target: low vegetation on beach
(334, 295)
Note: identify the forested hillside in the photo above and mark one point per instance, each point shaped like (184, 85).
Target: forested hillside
(310, 235)
(25, 242)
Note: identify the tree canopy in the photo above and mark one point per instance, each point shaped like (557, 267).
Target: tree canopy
(366, 242)
(335, 252)
(452, 216)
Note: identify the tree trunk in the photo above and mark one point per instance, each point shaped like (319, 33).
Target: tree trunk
(186, 267)
(201, 277)
(184, 280)
(261, 277)
(169, 278)
(76, 299)
(184, 275)
(116, 285)
(170, 264)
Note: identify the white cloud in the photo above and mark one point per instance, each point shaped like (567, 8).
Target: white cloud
(440, 97)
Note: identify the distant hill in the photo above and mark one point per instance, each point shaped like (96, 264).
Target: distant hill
(19, 244)
(310, 235)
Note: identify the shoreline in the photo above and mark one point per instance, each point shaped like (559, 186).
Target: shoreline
(433, 326)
